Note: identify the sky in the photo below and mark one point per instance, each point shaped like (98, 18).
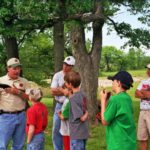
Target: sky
(113, 39)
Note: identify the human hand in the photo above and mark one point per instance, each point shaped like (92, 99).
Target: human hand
(85, 116)
(60, 115)
(1, 89)
(59, 112)
(66, 92)
(12, 90)
(103, 95)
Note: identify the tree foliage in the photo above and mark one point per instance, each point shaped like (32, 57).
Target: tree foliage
(37, 57)
(114, 59)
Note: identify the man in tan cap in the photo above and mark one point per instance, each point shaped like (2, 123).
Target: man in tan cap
(12, 106)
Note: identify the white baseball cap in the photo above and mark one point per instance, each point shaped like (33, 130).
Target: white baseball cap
(13, 62)
(34, 94)
(148, 66)
(70, 60)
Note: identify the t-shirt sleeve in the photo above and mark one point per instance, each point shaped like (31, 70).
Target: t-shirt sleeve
(111, 110)
(65, 112)
(54, 83)
(31, 118)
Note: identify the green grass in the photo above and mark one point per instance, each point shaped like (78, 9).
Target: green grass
(97, 132)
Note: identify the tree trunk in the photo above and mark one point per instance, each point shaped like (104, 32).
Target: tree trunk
(88, 63)
(11, 47)
(58, 36)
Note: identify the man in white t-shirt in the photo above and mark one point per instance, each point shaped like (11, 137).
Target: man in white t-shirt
(143, 92)
(58, 92)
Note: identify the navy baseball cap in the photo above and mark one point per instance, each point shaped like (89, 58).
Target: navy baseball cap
(124, 77)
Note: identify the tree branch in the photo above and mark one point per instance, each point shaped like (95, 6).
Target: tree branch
(86, 17)
(114, 24)
(23, 37)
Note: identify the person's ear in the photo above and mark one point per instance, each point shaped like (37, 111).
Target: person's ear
(119, 84)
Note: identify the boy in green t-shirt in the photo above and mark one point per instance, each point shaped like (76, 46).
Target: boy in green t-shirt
(117, 114)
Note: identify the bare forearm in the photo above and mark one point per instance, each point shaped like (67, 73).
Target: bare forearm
(142, 94)
(103, 108)
(61, 116)
(57, 92)
(30, 134)
(17, 92)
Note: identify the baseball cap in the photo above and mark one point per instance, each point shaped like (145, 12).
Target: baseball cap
(70, 60)
(124, 77)
(34, 94)
(148, 66)
(13, 62)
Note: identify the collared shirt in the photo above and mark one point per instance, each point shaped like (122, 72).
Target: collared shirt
(58, 81)
(11, 102)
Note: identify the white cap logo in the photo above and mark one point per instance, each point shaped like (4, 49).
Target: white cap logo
(70, 60)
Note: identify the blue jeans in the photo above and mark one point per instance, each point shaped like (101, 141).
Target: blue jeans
(12, 126)
(78, 145)
(56, 136)
(37, 142)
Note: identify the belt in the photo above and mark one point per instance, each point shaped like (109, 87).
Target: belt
(59, 102)
(9, 112)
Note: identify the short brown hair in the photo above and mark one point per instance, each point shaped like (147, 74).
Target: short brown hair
(74, 78)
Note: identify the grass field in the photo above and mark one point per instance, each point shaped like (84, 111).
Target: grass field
(97, 132)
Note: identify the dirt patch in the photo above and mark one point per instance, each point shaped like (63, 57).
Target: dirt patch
(104, 82)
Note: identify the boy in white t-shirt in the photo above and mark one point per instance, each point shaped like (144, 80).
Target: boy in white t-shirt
(143, 92)
(64, 127)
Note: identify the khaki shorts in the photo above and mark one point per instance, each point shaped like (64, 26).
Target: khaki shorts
(143, 131)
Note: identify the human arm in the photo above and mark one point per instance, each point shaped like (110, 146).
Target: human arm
(59, 91)
(142, 94)
(57, 84)
(85, 116)
(30, 133)
(103, 95)
(56, 91)
(17, 92)
(60, 115)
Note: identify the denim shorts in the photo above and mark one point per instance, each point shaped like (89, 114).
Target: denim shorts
(37, 142)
